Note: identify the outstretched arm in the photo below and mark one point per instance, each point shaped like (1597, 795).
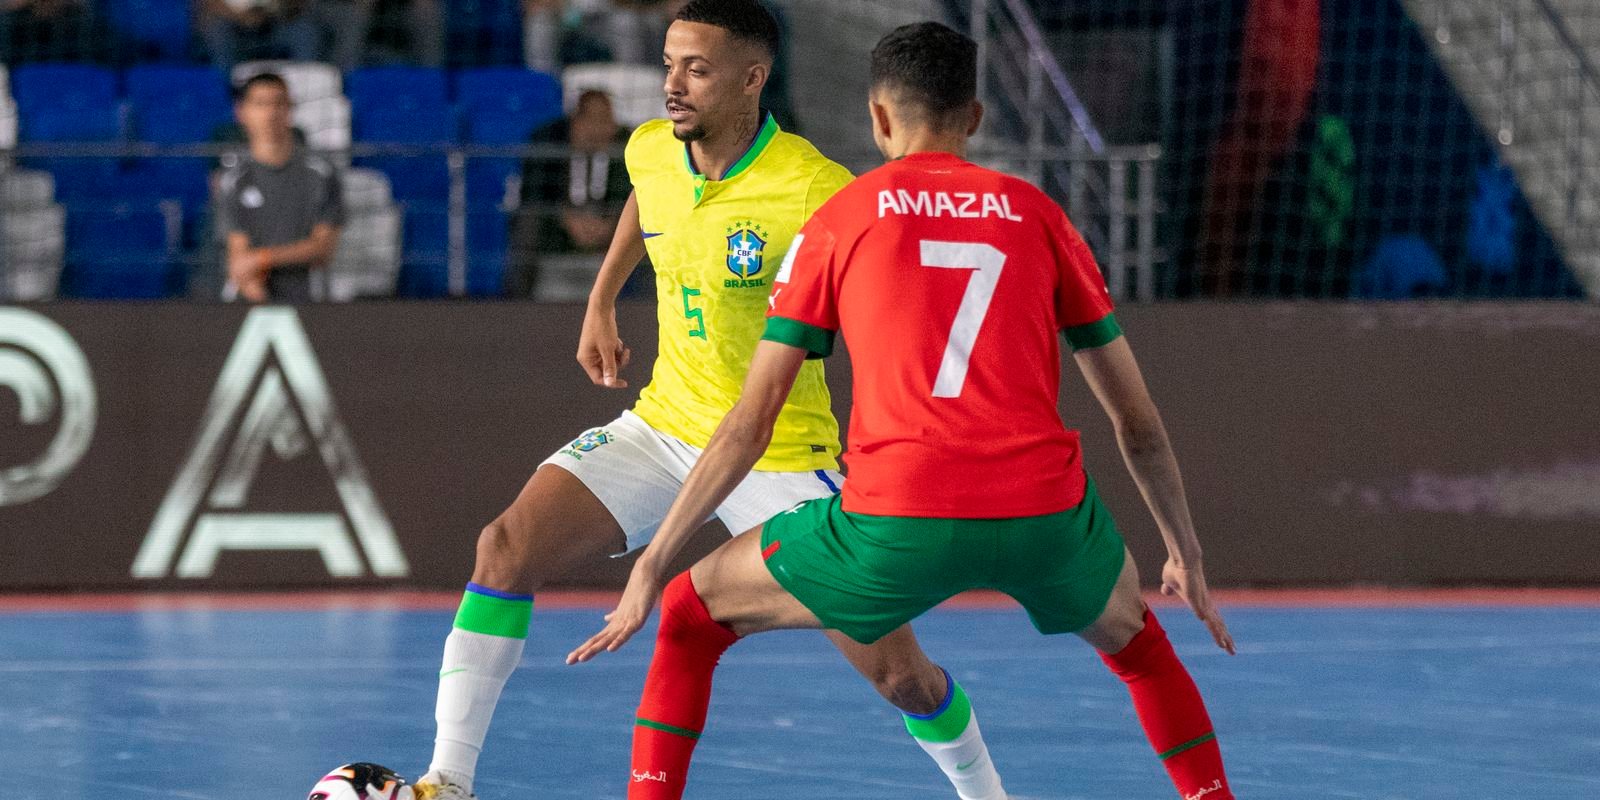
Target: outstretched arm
(1113, 375)
(736, 446)
(601, 352)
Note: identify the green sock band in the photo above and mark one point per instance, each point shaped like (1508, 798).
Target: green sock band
(948, 722)
(665, 728)
(495, 615)
(1189, 745)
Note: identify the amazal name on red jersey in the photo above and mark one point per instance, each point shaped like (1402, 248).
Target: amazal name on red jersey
(956, 205)
(950, 296)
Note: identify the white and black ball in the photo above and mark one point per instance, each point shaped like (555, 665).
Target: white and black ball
(361, 781)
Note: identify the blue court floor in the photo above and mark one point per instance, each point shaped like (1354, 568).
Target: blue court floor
(1423, 703)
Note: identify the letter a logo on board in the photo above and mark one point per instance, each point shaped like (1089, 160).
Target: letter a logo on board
(289, 409)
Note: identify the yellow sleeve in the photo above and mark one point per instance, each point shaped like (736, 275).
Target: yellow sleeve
(825, 184)
(639, 154)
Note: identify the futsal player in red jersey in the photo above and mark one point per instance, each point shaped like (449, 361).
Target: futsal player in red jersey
(950, 283)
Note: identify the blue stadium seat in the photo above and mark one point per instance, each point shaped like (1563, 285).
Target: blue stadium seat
(121, 251)
(486, 181)
(420, 180)
(403, 105)
(66, 103)
(177, 105)
(401, 126)
(420, 90)
(80, 179)
(150, 30)
(502, 105)
(488, 236)
(36, 86)
(425, 258)
(184, 179)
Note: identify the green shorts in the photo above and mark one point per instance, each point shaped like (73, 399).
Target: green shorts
(866, 575)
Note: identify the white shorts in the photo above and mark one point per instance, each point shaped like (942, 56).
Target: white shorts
(636, 471)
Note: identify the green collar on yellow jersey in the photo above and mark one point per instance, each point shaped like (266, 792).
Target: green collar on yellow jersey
(769, 129)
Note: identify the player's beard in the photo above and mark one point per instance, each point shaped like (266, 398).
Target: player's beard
(694, 134)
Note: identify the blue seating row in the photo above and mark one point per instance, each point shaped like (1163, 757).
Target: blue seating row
(174, 104)
(129, 251)
(477, 32)
(178, 105)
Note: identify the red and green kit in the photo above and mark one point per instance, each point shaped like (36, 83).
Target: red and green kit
(949, 282)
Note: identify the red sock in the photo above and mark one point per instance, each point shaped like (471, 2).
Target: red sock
(1172, 714)
(677, 691)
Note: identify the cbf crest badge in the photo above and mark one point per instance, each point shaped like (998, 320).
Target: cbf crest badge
(746, 242)
(588, 443)
(592, 440)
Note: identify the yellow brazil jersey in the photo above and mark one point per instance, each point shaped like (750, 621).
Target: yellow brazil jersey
(715, 246)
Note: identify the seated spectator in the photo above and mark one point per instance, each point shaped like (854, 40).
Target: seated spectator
(280, 206)
(50, 30)
(541, 35)
(558, 32)
(409, 31)
(236, 30)
(569, 205)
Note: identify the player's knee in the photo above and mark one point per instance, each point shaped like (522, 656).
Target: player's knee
(1122, 619)
(910, 690)
(502, 559)
(685, 620)
(1119, 629)
(678, 601)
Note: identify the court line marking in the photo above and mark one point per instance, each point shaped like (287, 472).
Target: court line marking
(396, 600)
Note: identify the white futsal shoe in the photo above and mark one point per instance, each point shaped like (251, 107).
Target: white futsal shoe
(433, 786)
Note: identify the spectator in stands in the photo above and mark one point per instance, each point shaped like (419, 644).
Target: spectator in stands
(50, 30)
(557, 32)
(239, 29)
(280, 206)
(541, 35)
(413, 30)
(569, 205)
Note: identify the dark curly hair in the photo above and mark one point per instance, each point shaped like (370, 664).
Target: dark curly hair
(928, 66)
(744, 19)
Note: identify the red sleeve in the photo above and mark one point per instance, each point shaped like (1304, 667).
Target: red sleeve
(1083, 303)
(804, 288)
(1081, 294)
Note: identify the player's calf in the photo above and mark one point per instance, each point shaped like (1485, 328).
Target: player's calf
(554, 523)
(1172, 712)
(898, 669)
(672, 709)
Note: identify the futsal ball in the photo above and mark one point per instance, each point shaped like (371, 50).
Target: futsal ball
(361, 781)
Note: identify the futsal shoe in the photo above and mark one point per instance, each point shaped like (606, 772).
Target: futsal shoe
(433, 786)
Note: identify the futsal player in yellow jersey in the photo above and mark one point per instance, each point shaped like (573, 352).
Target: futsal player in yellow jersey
(716, 245)
(719, 193)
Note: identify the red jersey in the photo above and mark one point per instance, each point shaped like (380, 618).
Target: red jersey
(949, 282)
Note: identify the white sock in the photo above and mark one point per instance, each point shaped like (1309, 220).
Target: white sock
(965, 761)
(950, 736)
(474, 670)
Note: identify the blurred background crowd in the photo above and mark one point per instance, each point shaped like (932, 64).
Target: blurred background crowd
(473, 148)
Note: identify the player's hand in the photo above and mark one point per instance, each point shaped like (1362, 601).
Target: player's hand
(644, 589)
(254, 290)
(247, 267)
(601, 352)
(1189, 582)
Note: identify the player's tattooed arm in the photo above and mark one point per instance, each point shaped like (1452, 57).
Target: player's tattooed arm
(601, 351)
